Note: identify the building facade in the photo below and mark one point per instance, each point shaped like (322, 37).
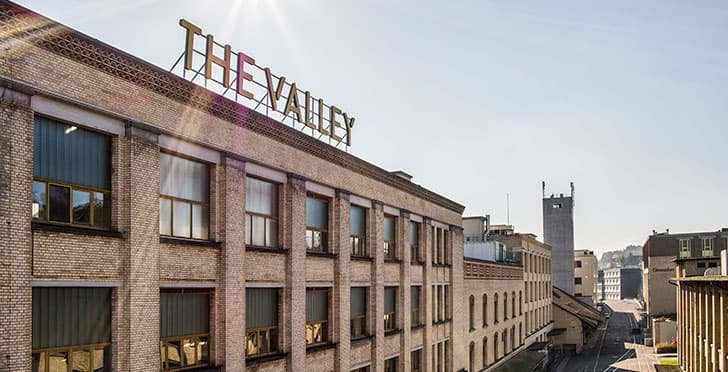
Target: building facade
(702, 314)
(558, 232)
(659, 255)
(195, 232)
(622, 283)
(585, 276)
(601, 286)
(574, 321)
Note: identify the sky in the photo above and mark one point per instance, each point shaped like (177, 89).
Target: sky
(483, 99)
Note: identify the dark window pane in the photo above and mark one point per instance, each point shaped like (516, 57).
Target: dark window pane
(39, 200)
(59, 203)
(102, 210)
(81, 207)
(271, 233)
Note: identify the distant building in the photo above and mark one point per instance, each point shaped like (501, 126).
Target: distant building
(622, 283)
(600, 285)
(558, 232)
(585, 276)
(702, 314)
(507, 326)
(660, 254)
(573, 322)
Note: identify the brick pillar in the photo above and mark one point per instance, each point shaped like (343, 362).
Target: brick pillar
(376, 307)
(232, 265)
(404, 292)
(459, 321)
(16, 177)
(142, 287)
(295, 297)
(427, 293)
(723, 329)
(342, 286)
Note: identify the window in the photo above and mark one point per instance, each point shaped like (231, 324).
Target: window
(513, 304)
(577, 294)
(361, 369)
(485, 310)
(504, 339)
(390, 365)
(485, 352)
(183, 197)
(416, 361)
(414, 241)
(520, 302)
(184, 329)
(446, 301)
(261, 320)
(684, 248)
(261, 213)
(358, 312)
(415, 303)
(577, 280)
(317, 316)
(71, 175)
(578, 263)
(471, 313)
(471, 355)
(707, 247)
(390, 308)
(317, 224)
(495, 309)
(505, 305)
(63, 340)
(495, 347)
(358, 231)
(390, 244)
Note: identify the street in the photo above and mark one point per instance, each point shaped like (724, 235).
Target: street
(613, 347)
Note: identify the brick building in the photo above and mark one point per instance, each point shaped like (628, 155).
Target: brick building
(193, 232)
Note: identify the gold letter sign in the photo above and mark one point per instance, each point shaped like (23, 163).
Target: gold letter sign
(282, 97)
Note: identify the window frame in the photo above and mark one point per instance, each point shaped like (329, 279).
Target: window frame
(311, 231)
(272, 347)
(415, 310)
(105, 347)
(684, 248)
(364, 319)
(71, 188)
(358, 243)
(390, 246)
(414, 247)
(249, 218)
(707, 248)
(204, 204)
(323, 325)
(390, 318)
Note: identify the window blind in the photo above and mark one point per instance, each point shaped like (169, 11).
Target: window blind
(261, 307)
(317, 213)
(183, 313)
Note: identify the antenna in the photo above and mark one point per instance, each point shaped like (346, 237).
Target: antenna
(508, 208)
(543, 189)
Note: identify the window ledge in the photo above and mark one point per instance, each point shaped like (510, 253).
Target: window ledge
(362, 339)
(264, 358)
(362, 258)
(440, 322)
(418, 263)
(321, 254)
(322, 347)
(185, 241)
(71, 229)
(416, 327)
(393, 332)
(257, 248)
(392, 260)
(441, 265)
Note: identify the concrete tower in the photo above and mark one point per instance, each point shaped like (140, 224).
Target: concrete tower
(558, 232)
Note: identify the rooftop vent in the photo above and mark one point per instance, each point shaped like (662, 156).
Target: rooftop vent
(402, 174)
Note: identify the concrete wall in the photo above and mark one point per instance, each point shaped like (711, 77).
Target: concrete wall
(558, 230)
(572, 338)
(660, 295)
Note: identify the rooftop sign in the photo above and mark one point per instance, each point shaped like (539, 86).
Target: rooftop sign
(237, 76)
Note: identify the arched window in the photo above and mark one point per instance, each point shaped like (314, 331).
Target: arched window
(485, 351)
(495, 308)
(513, 337)
(513, 304)
(504, 337)
(485, 310)
(520, 333)
(472, 312)
(520, 302)
(505, 305)
(472, 356)
(495, 346)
